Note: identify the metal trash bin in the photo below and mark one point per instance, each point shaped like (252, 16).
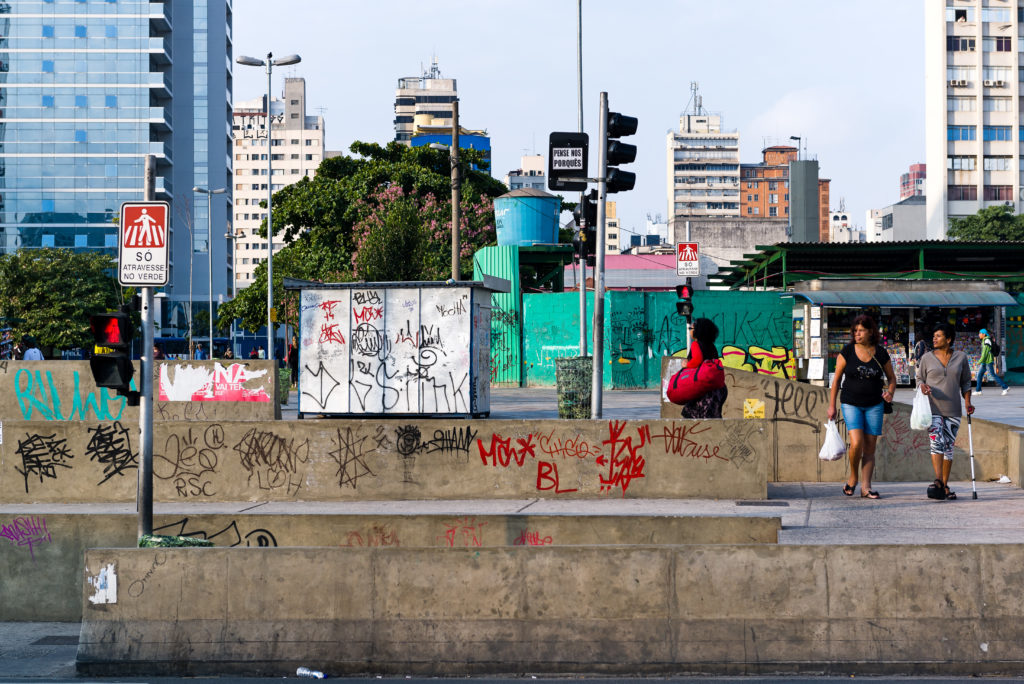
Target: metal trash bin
(573, 378)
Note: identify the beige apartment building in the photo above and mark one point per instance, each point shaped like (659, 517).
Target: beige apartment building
(296, 150)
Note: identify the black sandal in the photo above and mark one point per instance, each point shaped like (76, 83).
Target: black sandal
(848, 490)
(870, 494)
(950, 494)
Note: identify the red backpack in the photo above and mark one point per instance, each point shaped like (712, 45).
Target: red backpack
(693, 383)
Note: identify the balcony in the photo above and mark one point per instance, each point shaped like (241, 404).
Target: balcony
(160, 119)
(160, 17)
(159, 51)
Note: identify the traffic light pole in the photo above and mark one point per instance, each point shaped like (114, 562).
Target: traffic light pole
(145, 493)
(583, 193)
(597, 382)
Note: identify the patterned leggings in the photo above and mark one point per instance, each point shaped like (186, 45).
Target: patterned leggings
(942, 433)
(708, 406)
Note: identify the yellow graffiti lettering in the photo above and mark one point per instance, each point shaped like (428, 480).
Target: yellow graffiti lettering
(777, 361)
(736, 357)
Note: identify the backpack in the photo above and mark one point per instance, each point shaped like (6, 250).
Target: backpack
(693, 383)
(995, 347)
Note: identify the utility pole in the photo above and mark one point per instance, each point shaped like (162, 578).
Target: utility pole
(456, 190)
(596, 390)
(582, 255)
(146, 364)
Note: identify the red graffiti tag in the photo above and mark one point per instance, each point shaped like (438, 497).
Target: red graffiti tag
(502, 453)
(329, 333)
(328, 308)
(528, 538)
(626, 463)
(463, 532)
(547, 478)
(368, 313)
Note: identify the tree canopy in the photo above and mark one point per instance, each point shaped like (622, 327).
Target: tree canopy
(383, 214)
(991, 224)
(50, 294)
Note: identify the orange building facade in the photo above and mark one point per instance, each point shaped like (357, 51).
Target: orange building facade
(764, 188)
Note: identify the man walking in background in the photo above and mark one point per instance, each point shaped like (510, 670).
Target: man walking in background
(987, 363)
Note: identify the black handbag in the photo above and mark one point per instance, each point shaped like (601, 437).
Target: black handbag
(886, 405)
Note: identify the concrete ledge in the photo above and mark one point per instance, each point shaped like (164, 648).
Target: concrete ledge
(43, 575)
(372, 460)
(625, 610)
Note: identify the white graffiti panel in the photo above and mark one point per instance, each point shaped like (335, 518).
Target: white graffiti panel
(401, 350)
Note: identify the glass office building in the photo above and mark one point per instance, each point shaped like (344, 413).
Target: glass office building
(88, 88)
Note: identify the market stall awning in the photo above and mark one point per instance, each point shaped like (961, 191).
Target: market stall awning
(944, 298)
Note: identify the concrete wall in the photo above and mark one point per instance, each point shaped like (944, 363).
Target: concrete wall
(671, 609)
(43, 552)
(347, 460)
(64, 391)
(797, 413)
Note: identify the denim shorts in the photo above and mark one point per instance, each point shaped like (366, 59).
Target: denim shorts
(867, 419)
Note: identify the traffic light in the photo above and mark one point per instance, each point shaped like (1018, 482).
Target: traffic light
(684, 307)
(618, 152)
(111, 362)
(586, 218)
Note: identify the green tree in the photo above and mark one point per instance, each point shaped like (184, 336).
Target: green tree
(54, 291)
(378, 215)
(991, 224)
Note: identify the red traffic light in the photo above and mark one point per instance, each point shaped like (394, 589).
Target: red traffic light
(684, 291)
(112, 330)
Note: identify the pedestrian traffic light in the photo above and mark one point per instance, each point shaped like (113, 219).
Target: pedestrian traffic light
(111, 362)
(586, 218)
(618, 152)
(685, 304)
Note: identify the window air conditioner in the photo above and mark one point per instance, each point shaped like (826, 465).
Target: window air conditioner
(962, 83)
(999, 84)
(988, 84)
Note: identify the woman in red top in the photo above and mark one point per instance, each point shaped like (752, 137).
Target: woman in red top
(703, 348)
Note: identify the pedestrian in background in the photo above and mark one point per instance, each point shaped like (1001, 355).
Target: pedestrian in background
(864, 374)
(293, 358)
(944, 375)
(261, 353)
(228, 354)
(32, 352)
(702, 349)
(158, 354)
(987, 363)
(200, 352)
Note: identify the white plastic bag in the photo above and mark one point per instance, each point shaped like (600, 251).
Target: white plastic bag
(921, 414)
(834, 447)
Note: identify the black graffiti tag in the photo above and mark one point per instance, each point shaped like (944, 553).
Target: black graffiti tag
(41, 456)
(111, 447)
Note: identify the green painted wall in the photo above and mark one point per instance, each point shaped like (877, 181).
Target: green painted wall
(641, 327)
(1015, 343)
(506, 314)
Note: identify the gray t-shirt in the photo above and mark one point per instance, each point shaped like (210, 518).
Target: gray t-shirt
(948, 383)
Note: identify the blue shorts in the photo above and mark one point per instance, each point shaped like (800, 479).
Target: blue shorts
(867, 419)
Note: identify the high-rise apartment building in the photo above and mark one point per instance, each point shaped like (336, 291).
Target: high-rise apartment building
(703, 167)
(912, 182)
(612, 230)
(87, 90)
(296, 150)
(972, 108)
(765, 189)
(427, 94)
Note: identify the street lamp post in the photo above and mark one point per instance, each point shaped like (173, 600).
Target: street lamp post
(228, 236)
(209, 249)
(269, 63)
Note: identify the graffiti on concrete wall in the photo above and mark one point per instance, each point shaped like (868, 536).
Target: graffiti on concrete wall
(26, 531)
(111, 447)
(394, 351)
(628, 344)
(229, 535)
(42, 457)
(39, 399)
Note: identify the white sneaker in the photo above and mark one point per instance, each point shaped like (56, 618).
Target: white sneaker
(977, 393)
(1006, 391)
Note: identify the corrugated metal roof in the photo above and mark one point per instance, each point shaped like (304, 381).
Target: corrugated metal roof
(941, 298)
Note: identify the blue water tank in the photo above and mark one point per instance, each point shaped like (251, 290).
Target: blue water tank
(526, 217)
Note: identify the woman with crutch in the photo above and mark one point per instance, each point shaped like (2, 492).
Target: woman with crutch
(944, 375)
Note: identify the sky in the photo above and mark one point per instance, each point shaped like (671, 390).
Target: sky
(847, 76)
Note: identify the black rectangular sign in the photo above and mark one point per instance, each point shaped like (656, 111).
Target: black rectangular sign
(567, 161)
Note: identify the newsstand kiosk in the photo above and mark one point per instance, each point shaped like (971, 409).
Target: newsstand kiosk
(906, 310)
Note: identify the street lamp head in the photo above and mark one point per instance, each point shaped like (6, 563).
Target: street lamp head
(249, 61)
(287, 59)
